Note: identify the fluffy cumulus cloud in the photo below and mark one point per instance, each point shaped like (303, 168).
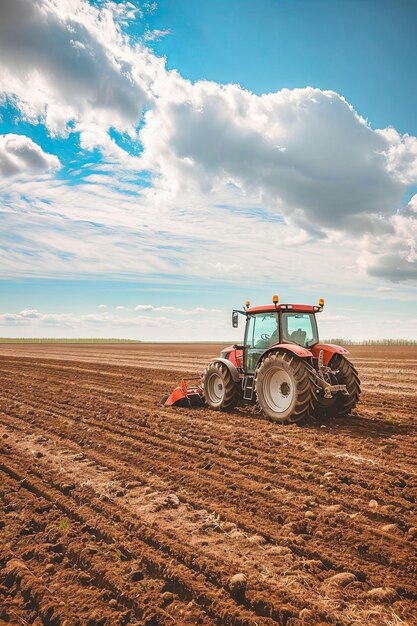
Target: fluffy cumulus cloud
(394, 255)
(401, 155)
(305, 152)
(19, 154)
(68, 61)
(297, 166)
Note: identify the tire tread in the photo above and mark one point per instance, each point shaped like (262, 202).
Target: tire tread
(231, 389)
(304, 377)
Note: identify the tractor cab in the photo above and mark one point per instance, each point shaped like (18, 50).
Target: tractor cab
(273, 325)
(277, 326)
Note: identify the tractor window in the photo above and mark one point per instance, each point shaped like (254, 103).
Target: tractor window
(263, 330)
(250, 331)
(300, 328)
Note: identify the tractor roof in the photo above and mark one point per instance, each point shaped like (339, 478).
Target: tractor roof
(270, 308)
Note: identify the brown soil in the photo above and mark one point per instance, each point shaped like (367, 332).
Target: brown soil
(116, 510)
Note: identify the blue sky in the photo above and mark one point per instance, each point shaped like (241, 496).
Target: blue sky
(361, 49)
(159, 164)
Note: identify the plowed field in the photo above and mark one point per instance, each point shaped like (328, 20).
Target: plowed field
(115, 510)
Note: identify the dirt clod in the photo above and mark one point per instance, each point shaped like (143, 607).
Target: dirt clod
(390, 528)
(167, 598)
(172, 501)
(306, 615)
(67, 487)
(383, 594)
(342, 580)
(238, 581)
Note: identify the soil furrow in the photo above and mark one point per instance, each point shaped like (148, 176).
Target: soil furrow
(182, 500)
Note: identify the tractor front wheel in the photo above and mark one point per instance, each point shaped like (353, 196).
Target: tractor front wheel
(220, 391)
(284, 388)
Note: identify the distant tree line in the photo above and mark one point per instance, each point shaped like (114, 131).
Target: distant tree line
(372, 342)
(64, 340)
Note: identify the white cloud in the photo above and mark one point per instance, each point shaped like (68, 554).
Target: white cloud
(79, 65)
(33, 317)
(385, 289)
(34, 323)
(155, 35)
(401, 155)
(20, 155)
(242, 184)
(393, 255)
(65, 231)
(305, 153)
(148, 308)
(102, 306)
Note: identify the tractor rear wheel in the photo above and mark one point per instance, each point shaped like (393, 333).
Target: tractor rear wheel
(220, 391)
(340, 405)
(284, 388)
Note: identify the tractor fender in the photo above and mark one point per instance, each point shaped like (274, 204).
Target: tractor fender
(299, 351)
(292, 348)
(329, 350)
(232, 368)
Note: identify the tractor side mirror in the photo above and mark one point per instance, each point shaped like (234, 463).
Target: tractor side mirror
(235, 319)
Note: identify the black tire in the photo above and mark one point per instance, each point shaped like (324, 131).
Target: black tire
(284, 388)
(340, 405)
(220, 391)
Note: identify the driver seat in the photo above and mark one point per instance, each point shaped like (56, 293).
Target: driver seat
(299, 336)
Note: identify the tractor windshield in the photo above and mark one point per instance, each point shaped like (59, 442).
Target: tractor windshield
(300, 328)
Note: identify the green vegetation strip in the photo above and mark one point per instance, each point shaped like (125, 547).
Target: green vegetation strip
(372, 342)
(64, 340)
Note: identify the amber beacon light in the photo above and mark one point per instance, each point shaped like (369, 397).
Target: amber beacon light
(321, 302)
(275, 299)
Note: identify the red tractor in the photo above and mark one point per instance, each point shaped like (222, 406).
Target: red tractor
(281, 366)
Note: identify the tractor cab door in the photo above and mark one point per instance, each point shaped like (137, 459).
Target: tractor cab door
(262, 331)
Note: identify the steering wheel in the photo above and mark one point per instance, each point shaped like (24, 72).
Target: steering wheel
(265, 337)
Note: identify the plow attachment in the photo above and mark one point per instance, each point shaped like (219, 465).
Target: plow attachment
(185, 396)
